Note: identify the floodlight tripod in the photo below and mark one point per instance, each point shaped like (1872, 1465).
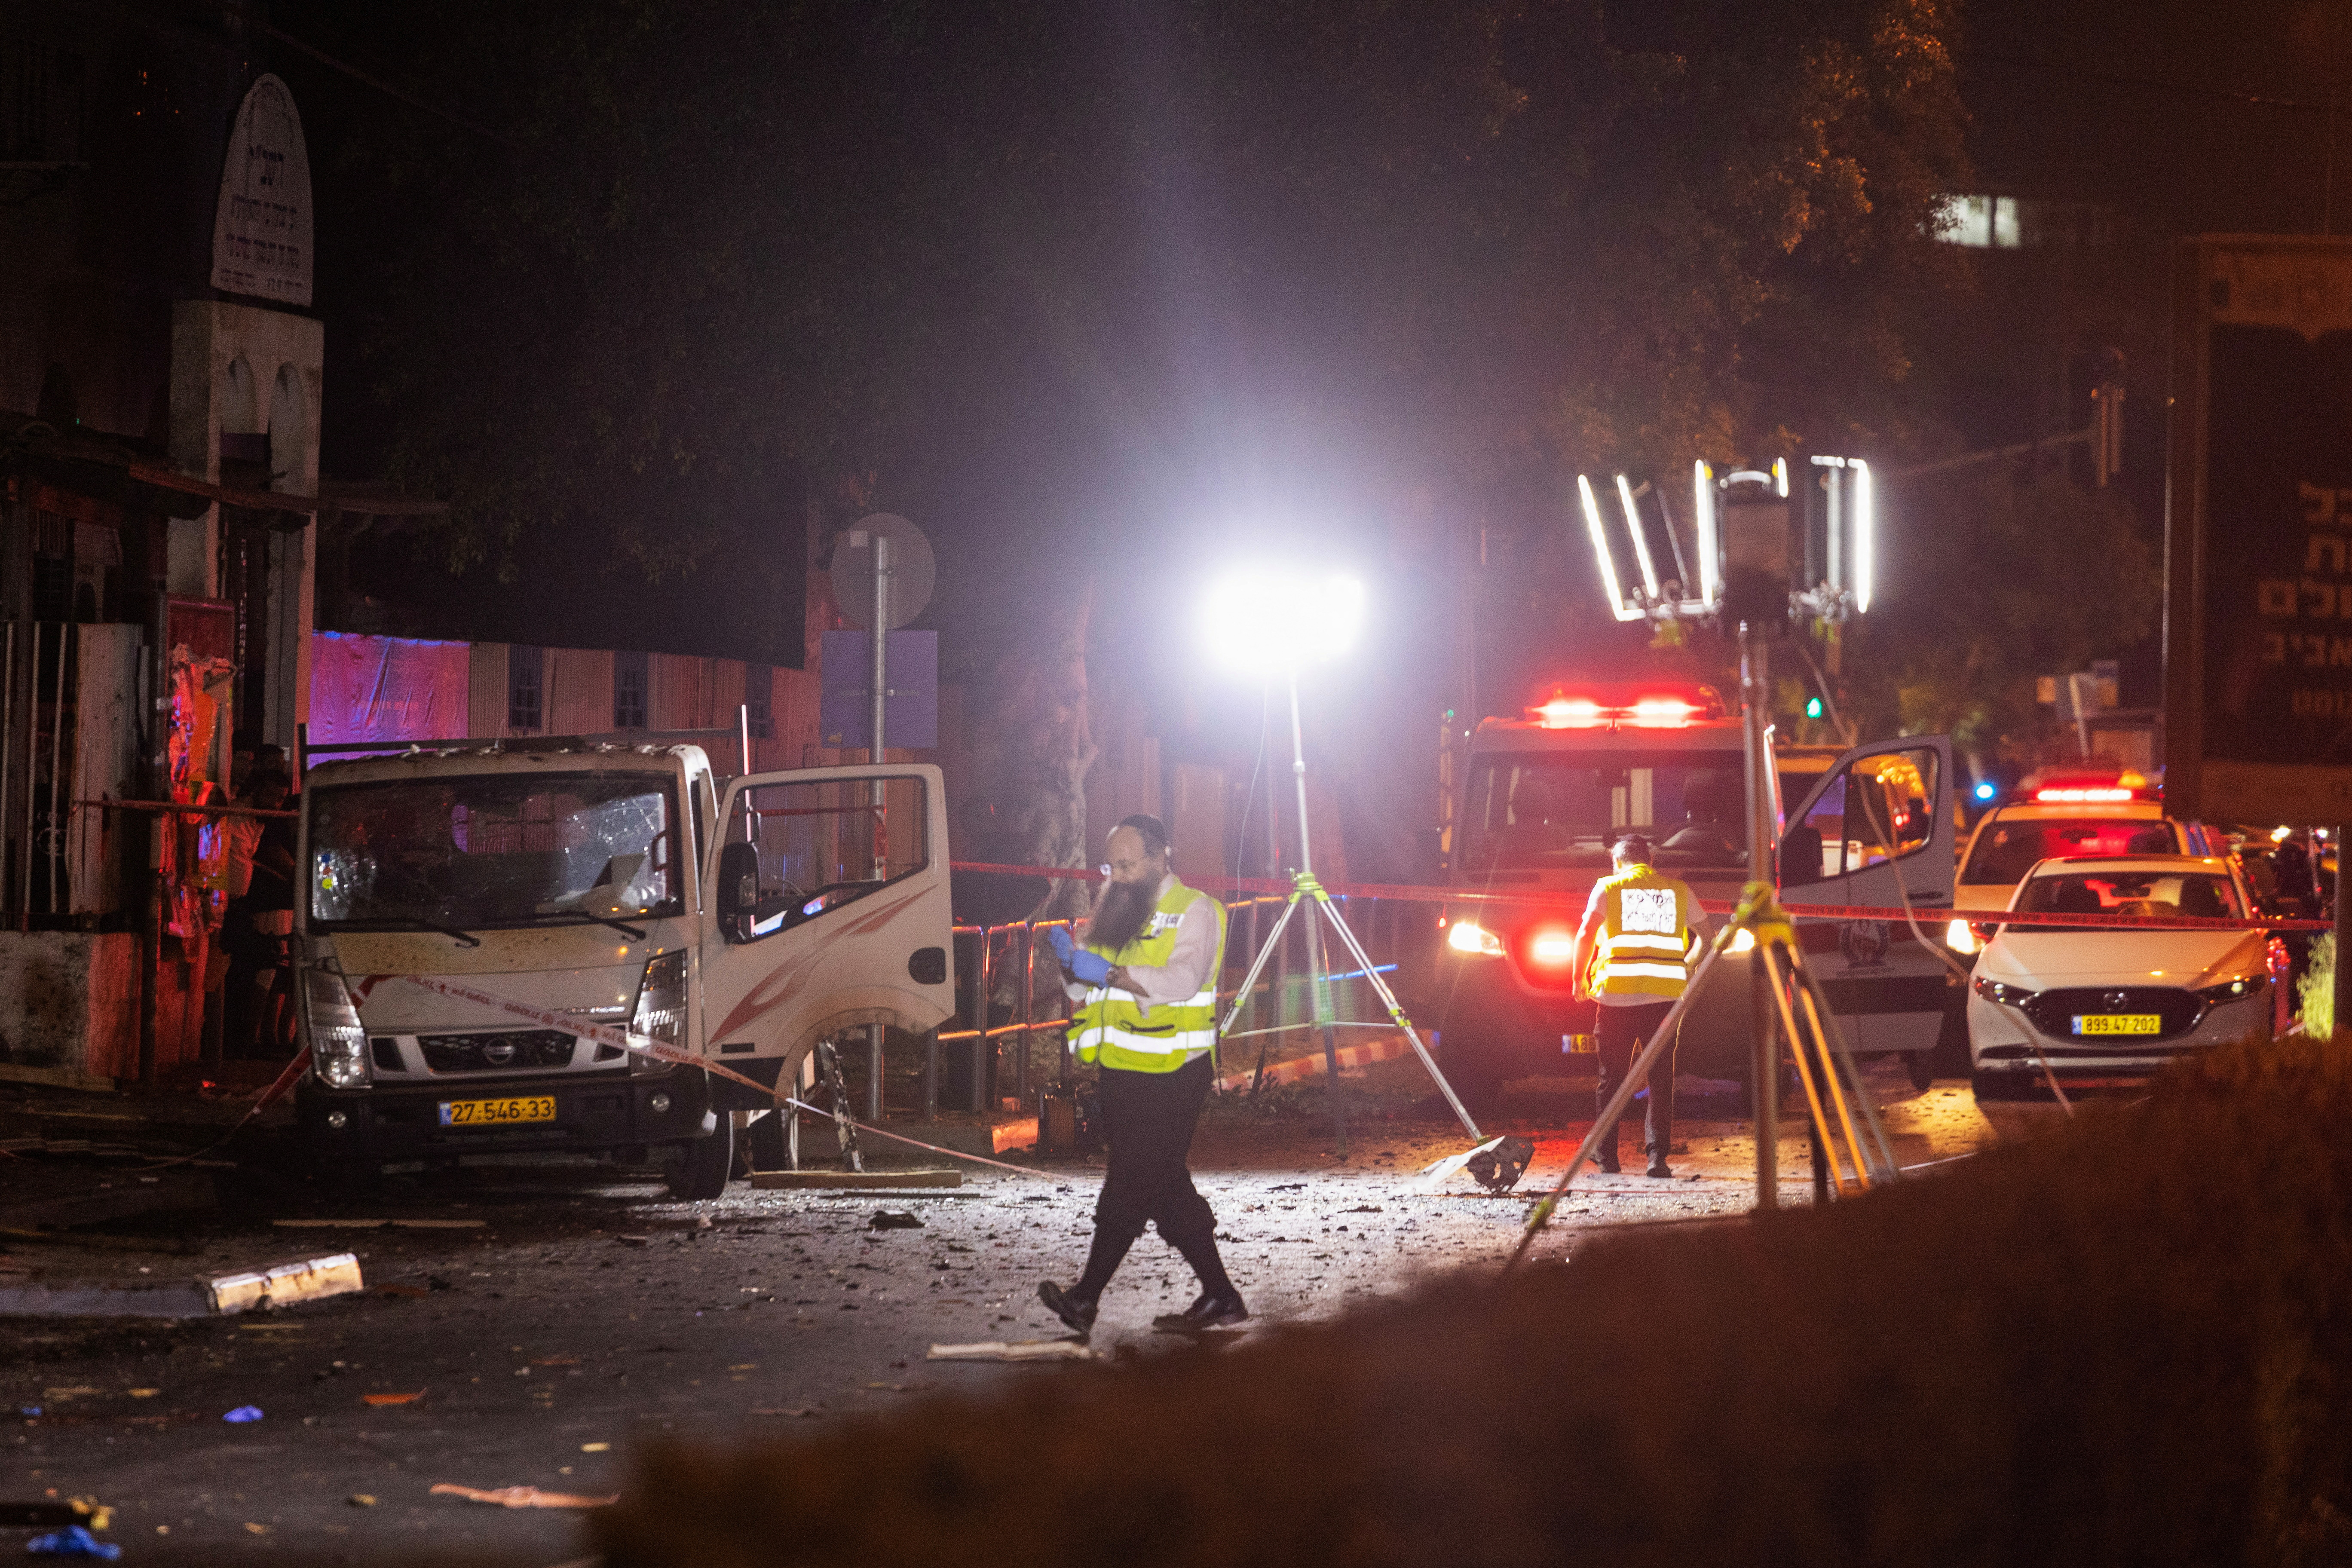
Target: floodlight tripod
(1306, 890)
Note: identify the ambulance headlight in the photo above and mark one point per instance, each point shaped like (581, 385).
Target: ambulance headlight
(1469, 936)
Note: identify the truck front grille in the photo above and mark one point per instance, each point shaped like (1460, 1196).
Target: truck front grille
(502, 1052)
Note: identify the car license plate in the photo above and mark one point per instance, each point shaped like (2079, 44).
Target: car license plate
(2118, 1023)
(498, 1112)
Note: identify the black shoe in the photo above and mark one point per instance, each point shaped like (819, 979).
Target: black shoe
(1658, 1166)
(1074, 1310)
(1605, 1164)
(1206, 1312)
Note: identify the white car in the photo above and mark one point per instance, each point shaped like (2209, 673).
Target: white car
(2012, 838)
(2106, 1004)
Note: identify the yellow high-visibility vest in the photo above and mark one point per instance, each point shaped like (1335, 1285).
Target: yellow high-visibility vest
(1111, 1024)
(1646, 922)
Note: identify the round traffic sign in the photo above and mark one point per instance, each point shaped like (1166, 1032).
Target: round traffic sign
(913, 570)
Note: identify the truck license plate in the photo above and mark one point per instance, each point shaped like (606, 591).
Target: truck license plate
(498, 1112)
(2118, 1023)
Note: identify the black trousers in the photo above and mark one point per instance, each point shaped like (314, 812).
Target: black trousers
(1623, 1032)
(1148, 1120)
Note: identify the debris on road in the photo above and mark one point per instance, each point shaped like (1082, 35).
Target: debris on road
(289, 1282)
(806, 1412)
(393, 1398)
(523, 1497)
(41, 1515)
(1016, 1350)
(242, 1415)
(893, 1219)
(73, 1540)
(881, 1180)
(362, 1500)
(379, 1224)
(219, 1295)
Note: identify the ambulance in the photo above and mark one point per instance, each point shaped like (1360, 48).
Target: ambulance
(547, 945)
(1542, 798)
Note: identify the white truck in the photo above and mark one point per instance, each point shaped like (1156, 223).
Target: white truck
(739, 921)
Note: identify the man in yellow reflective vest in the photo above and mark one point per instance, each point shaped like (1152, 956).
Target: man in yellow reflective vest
(1633, 951)
(1145, 983)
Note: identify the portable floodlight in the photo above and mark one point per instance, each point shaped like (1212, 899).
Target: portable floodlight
(1268, 621)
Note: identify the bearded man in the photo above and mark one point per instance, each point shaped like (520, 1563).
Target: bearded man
(1145, 980)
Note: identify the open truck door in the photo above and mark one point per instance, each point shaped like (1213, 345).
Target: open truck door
(1879, 825)
(828, 891)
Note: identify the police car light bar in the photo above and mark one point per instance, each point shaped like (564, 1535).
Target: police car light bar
(2080, 796)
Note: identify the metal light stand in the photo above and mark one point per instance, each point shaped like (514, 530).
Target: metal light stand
(1304, 888)
(1764, 1062)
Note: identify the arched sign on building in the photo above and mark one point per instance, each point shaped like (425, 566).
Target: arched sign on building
(261, 231)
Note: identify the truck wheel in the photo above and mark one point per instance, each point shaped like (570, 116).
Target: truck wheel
(708, 1163)
(1991, 1086)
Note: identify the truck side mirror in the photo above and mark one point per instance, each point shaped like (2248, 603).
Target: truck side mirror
(739, 887)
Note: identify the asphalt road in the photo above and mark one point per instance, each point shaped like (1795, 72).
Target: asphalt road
(584, 1312)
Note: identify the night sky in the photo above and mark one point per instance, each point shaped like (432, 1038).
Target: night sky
(1119, 293)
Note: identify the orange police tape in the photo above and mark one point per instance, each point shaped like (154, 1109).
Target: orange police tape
(1712, 906)
(604, 1033)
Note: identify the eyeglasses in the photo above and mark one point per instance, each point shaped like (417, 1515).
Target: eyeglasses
(1107, 867)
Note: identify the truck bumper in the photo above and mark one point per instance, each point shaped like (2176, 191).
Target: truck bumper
(385, 1124)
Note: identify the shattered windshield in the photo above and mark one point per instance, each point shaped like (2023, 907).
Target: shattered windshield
(1533, 810)
(493, 849)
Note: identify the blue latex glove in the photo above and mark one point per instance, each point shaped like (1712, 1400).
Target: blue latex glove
(73, 1540)
(1085, 968)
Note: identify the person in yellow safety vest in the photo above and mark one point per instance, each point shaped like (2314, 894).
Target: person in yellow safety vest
(1633, 955)
(1145, 983)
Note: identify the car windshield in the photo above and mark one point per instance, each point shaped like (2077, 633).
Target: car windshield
(2006, 849)
(2197, 894)
(493, 849)
(1544, 809)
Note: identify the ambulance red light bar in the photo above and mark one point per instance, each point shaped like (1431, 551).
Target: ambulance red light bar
(1663, 712)
(1559, 712)
(1563, 712)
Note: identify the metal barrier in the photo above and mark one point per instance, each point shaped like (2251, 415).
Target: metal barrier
(995, 952)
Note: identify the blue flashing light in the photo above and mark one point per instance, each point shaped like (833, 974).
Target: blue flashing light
(1986, 790)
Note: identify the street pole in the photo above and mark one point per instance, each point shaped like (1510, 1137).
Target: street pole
(1318, 974)
(2343, 932)
(1764, 1066)
(879, 690)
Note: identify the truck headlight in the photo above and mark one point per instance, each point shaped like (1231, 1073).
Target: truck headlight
(1469, 936)
(338, 1044)
(660, 1013)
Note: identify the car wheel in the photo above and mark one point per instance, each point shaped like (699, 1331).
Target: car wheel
(1921, 1066)
(709, 1161)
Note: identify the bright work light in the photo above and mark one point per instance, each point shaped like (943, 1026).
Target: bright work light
(1273, 620)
